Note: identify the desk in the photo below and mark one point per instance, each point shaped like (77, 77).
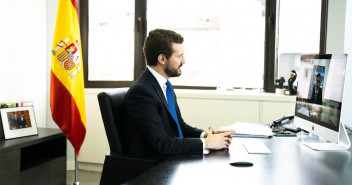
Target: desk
(39, 159)
(289, 163)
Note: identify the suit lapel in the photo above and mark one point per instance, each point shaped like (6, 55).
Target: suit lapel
(157, 88)
(160, 93)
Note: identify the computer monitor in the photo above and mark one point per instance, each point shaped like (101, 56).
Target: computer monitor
(321, 80)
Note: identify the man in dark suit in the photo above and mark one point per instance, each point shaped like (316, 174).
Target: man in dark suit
(150, 128)
(15, 121)
(22, 123)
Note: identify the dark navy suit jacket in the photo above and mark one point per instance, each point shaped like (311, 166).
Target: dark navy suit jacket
(149, 128)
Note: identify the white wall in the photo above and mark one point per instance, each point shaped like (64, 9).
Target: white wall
(51, 11)
(339, 40)
(347, 100)
(23, 54)
(336, 25)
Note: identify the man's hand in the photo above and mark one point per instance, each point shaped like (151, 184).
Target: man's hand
(223, 131)
(218, 139)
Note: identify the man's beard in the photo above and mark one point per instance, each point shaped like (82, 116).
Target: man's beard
(172, 72)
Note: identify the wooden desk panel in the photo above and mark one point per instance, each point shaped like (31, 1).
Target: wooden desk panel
(10, 167)
(289, 163)
(39, 159)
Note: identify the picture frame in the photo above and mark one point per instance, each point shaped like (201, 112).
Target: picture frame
(18, 122)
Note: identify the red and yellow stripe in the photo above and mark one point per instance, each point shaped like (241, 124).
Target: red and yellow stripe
(67, 101)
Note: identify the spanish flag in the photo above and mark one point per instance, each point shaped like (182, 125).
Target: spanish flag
(67, 80)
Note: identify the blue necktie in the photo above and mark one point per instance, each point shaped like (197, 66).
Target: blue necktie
(171, 103)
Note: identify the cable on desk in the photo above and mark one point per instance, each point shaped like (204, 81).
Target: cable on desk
(348, 128)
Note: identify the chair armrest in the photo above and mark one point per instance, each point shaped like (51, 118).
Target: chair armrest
(129, 158)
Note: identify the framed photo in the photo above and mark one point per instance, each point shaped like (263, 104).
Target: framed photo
(18, 122)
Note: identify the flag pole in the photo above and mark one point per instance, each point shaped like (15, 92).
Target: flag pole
(76, 170)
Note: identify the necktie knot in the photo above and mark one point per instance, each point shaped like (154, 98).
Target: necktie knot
(168, 84)
(169, 93)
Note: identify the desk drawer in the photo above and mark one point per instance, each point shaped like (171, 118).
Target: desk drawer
(10, 168)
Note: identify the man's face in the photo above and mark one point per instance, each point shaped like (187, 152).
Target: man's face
(173, 65)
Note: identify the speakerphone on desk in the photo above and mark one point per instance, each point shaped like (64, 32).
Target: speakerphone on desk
(284, 127)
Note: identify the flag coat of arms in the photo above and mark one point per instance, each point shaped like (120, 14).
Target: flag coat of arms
(67, 101)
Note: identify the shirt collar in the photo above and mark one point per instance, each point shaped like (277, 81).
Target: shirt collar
(161, 80)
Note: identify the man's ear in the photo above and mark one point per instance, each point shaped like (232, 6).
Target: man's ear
(162, 59)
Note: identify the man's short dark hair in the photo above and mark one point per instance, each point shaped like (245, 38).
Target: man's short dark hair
(159, 41)
(319, 75)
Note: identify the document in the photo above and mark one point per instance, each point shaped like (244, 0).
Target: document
(249, 130)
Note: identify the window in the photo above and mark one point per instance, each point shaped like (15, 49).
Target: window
(227, 43)
(224, 40)
(300, 28)
(298, 33)
(111, 35)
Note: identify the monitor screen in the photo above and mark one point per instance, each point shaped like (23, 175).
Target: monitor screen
(321, 80)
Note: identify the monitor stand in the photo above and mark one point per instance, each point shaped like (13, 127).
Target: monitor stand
(344, 142)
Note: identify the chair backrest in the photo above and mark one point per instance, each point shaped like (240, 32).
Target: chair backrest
(111, 104)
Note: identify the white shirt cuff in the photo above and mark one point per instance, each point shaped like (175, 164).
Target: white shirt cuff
(205, 151)
(202, 134)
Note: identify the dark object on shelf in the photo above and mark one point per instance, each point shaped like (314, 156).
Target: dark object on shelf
(291, 88)
(281, 82)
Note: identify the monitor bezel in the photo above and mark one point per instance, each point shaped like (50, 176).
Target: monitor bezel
(317, 127)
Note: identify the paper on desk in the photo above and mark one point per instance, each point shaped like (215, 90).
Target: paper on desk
(249, 130)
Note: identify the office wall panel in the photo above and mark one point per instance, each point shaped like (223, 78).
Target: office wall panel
(95, 145)
(202, 113)
(274, 110)
(347, 99)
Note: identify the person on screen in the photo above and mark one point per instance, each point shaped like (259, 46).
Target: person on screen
(152, 127)
(317, 92)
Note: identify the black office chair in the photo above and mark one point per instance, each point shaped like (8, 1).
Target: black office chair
(119, 166)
